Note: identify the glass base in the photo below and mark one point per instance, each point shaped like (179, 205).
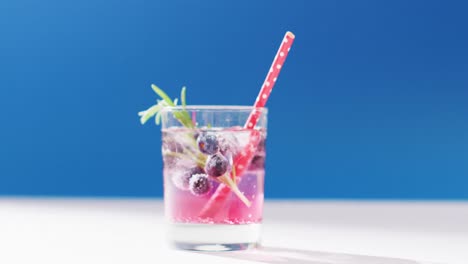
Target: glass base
(214, 247)
(214, 237)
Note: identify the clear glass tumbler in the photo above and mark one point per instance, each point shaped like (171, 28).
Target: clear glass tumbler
(214, 171)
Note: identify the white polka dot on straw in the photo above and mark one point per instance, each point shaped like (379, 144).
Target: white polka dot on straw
(281, 54)
(278, 66)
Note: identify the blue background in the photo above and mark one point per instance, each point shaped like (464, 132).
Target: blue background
(372, 102)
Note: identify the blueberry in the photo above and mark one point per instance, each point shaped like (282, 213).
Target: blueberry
(216, 165)
(199, 184)
(181, 180)
(208, 143)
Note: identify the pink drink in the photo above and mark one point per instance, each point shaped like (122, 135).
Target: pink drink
(197, 162)
(183, 206)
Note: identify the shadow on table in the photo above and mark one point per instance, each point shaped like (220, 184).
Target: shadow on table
(287, 255)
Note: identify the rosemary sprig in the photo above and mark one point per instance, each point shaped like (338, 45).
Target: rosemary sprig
(182, 116)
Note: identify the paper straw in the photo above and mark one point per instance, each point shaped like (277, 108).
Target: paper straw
(241, 162)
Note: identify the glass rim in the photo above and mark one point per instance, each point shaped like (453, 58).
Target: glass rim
(215, 108)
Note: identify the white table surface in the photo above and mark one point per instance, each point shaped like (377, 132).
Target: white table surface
(318, 232)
